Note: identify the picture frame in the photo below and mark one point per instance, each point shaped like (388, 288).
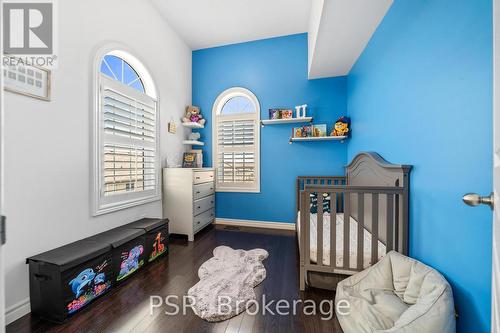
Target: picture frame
(319, 130)
(274, 114)
(286, 114)
(303, 131)
(297, 132)
(27, 80)
(189, 160)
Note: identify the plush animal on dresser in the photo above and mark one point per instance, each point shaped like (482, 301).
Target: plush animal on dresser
(341, 127)
(193, 115)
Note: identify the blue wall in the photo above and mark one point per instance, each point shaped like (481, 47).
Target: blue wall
(421, 94)
(275, 70)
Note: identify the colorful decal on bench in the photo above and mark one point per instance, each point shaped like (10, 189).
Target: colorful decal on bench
(130, 262)
(87, 285)
(158, 247)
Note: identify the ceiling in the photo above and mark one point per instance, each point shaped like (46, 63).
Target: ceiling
(208, 23)
(339, 30)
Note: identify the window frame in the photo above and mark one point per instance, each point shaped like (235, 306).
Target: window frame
(101, 204)
(219, 103)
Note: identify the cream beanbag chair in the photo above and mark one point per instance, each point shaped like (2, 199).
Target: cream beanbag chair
(397, 294)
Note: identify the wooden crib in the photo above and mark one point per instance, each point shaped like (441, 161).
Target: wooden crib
(374, 196)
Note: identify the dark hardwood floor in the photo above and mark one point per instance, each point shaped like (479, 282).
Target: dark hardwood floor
(127, 308)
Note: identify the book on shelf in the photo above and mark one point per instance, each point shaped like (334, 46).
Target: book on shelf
(199, 157)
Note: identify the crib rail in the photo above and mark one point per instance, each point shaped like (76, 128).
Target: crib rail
(379, 210)
(303, 181)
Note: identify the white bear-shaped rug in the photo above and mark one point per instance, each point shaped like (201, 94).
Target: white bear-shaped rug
(226, 283)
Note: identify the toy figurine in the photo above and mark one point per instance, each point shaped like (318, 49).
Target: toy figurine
(341, 127)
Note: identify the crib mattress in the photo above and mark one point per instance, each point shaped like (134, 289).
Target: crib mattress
(353, 246)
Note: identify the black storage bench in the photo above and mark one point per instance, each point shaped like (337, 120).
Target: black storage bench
(127, 246)
(156, 236)
(66, 279)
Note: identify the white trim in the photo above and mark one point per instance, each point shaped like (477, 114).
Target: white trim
(495, 285)
(17, 311)
(123, 51)
(225, 96)
(2, 180)
(255, 224)
(286, 121)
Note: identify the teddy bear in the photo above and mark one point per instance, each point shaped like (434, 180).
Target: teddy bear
(341, 127)
(193, 115)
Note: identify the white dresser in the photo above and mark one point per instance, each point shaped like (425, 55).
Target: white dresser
(188, 199)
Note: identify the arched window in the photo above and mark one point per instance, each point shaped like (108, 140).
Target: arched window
(236, 137)
(126, 168)
(121, 71)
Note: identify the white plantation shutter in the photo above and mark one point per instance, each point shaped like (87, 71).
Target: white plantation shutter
(236, 151)
(128, 145)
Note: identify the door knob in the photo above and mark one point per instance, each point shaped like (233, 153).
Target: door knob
(473, 199)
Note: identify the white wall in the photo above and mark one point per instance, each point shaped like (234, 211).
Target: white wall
(339, 31)
(47, 144)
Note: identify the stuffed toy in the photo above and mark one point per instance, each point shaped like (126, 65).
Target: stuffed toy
(193, 115)
(341, 127)
(195, 136)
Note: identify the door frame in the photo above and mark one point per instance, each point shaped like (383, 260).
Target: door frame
(2, 279)
(495, 285)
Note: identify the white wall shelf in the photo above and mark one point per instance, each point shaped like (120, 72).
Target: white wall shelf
(285, 121)
(318, 138)
(193, 143)
(192, 125)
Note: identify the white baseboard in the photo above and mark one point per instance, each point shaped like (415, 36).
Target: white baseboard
(17, 311)
(255, 224)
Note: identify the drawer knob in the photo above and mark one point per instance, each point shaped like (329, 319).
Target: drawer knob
(197, 192)
(199, 207)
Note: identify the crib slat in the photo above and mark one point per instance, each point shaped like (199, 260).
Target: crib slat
(333, 229)
(302, 251)
(361, 230)
(307, 229)
(396, 224)
(347, 227)
(319, 228)
(374, 228)
(390, 221)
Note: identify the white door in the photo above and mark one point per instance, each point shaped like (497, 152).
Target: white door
(2, 292)
(494, 199)
(495, 292)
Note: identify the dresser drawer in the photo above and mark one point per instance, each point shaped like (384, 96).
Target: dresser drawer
(203, 205)
(201, 177)
(202, 190)
(203, 219)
